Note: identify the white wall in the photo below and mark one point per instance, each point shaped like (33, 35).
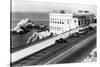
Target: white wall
(58, 17)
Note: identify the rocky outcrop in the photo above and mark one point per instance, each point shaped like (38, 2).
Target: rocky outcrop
(22, 25)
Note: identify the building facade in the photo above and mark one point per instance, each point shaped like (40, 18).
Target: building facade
(60, 22)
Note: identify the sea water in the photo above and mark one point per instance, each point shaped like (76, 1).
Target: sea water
(37, 18)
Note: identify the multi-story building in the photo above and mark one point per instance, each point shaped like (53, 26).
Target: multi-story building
(62, 21)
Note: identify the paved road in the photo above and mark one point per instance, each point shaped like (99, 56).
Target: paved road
(68, 53)
(80, 54)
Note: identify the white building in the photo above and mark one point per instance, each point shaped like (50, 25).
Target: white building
(60, 22)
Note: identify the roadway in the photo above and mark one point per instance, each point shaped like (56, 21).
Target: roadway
(76, 53)
(80, 54)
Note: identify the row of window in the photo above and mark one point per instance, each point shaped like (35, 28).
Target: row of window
(56, 28)
(57, 19)
(83, 22)
(68, 21)
(57, 22)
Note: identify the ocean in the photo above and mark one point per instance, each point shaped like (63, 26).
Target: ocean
(37, 18)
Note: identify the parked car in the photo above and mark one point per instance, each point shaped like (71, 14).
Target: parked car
(75, 34)
(60, 41)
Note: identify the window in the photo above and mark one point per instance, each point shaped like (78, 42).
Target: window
(51, 27)
(53, 19)
(75, 21)
(58, 28)
(62, 22)
(67, 21)
(86, 11)
(55, 28)
(79, 22)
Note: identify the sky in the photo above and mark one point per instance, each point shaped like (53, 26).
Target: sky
(34, 6)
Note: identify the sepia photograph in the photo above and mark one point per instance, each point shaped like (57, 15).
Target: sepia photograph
(46, 33)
